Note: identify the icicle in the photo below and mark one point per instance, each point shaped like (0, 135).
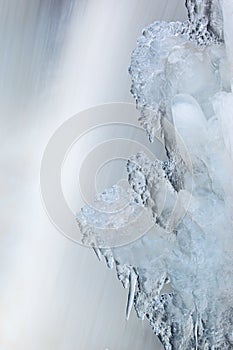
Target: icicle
(196, 334)
(98, 253)
(132, 289)
(107, 253)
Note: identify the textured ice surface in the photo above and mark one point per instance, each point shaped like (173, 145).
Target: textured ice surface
(114, 218)
(180, 272)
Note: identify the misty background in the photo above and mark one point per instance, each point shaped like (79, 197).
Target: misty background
(58, 57)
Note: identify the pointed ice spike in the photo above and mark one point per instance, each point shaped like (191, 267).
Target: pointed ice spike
(98, 253)
(132, 289)
(196, 335)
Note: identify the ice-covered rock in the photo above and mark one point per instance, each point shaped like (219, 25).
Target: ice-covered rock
(179, 269)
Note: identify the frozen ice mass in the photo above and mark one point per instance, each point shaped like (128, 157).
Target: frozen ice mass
(179, 273)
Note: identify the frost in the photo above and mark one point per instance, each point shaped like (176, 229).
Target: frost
(178, 213)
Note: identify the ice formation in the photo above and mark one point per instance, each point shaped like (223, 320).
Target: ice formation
(180, 272)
